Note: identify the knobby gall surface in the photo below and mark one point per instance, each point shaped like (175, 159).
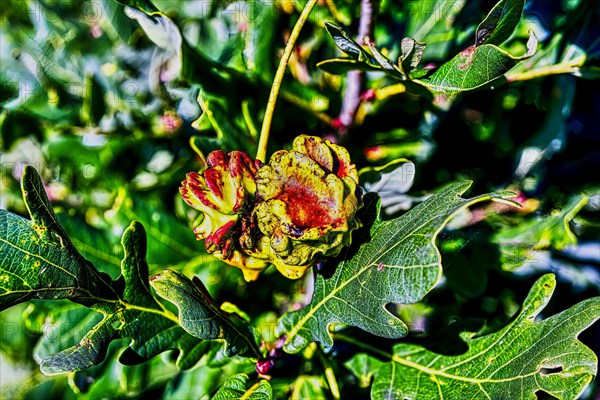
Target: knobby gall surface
(291, 212)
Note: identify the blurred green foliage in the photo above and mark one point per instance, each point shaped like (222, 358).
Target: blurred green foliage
(84, 102)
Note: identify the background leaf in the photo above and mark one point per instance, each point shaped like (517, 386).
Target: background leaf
(96, 245)
(205, 379)
(364, 367)
(519, 245)
(307, 387)
(400, 264)
(170, 240)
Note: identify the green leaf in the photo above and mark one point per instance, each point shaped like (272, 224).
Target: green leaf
(135, 314)
(199, 315)
(483, 62)
(475, 67)
(235, 388)
(345, 42)
(381, 59)
(39, 261)
(500, 22)
(412, 52)
(376, 61)
(526, 357)
(359, 58)
(364, 367)
(204, 380)
(400, 264)
(170, 240)
(519, 244)
(308, 387)
(97, 246)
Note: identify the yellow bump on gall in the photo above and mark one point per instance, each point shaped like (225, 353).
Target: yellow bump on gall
(307, 203)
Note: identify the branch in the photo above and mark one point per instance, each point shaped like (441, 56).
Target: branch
(354, 79)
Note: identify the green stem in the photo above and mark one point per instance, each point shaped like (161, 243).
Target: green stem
(543, 71)
(248, 119)
(329, 375)
(204, 105)
(266, 126)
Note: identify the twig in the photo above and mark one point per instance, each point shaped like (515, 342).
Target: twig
(563, 68)
(266, 126)
(354, 79)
